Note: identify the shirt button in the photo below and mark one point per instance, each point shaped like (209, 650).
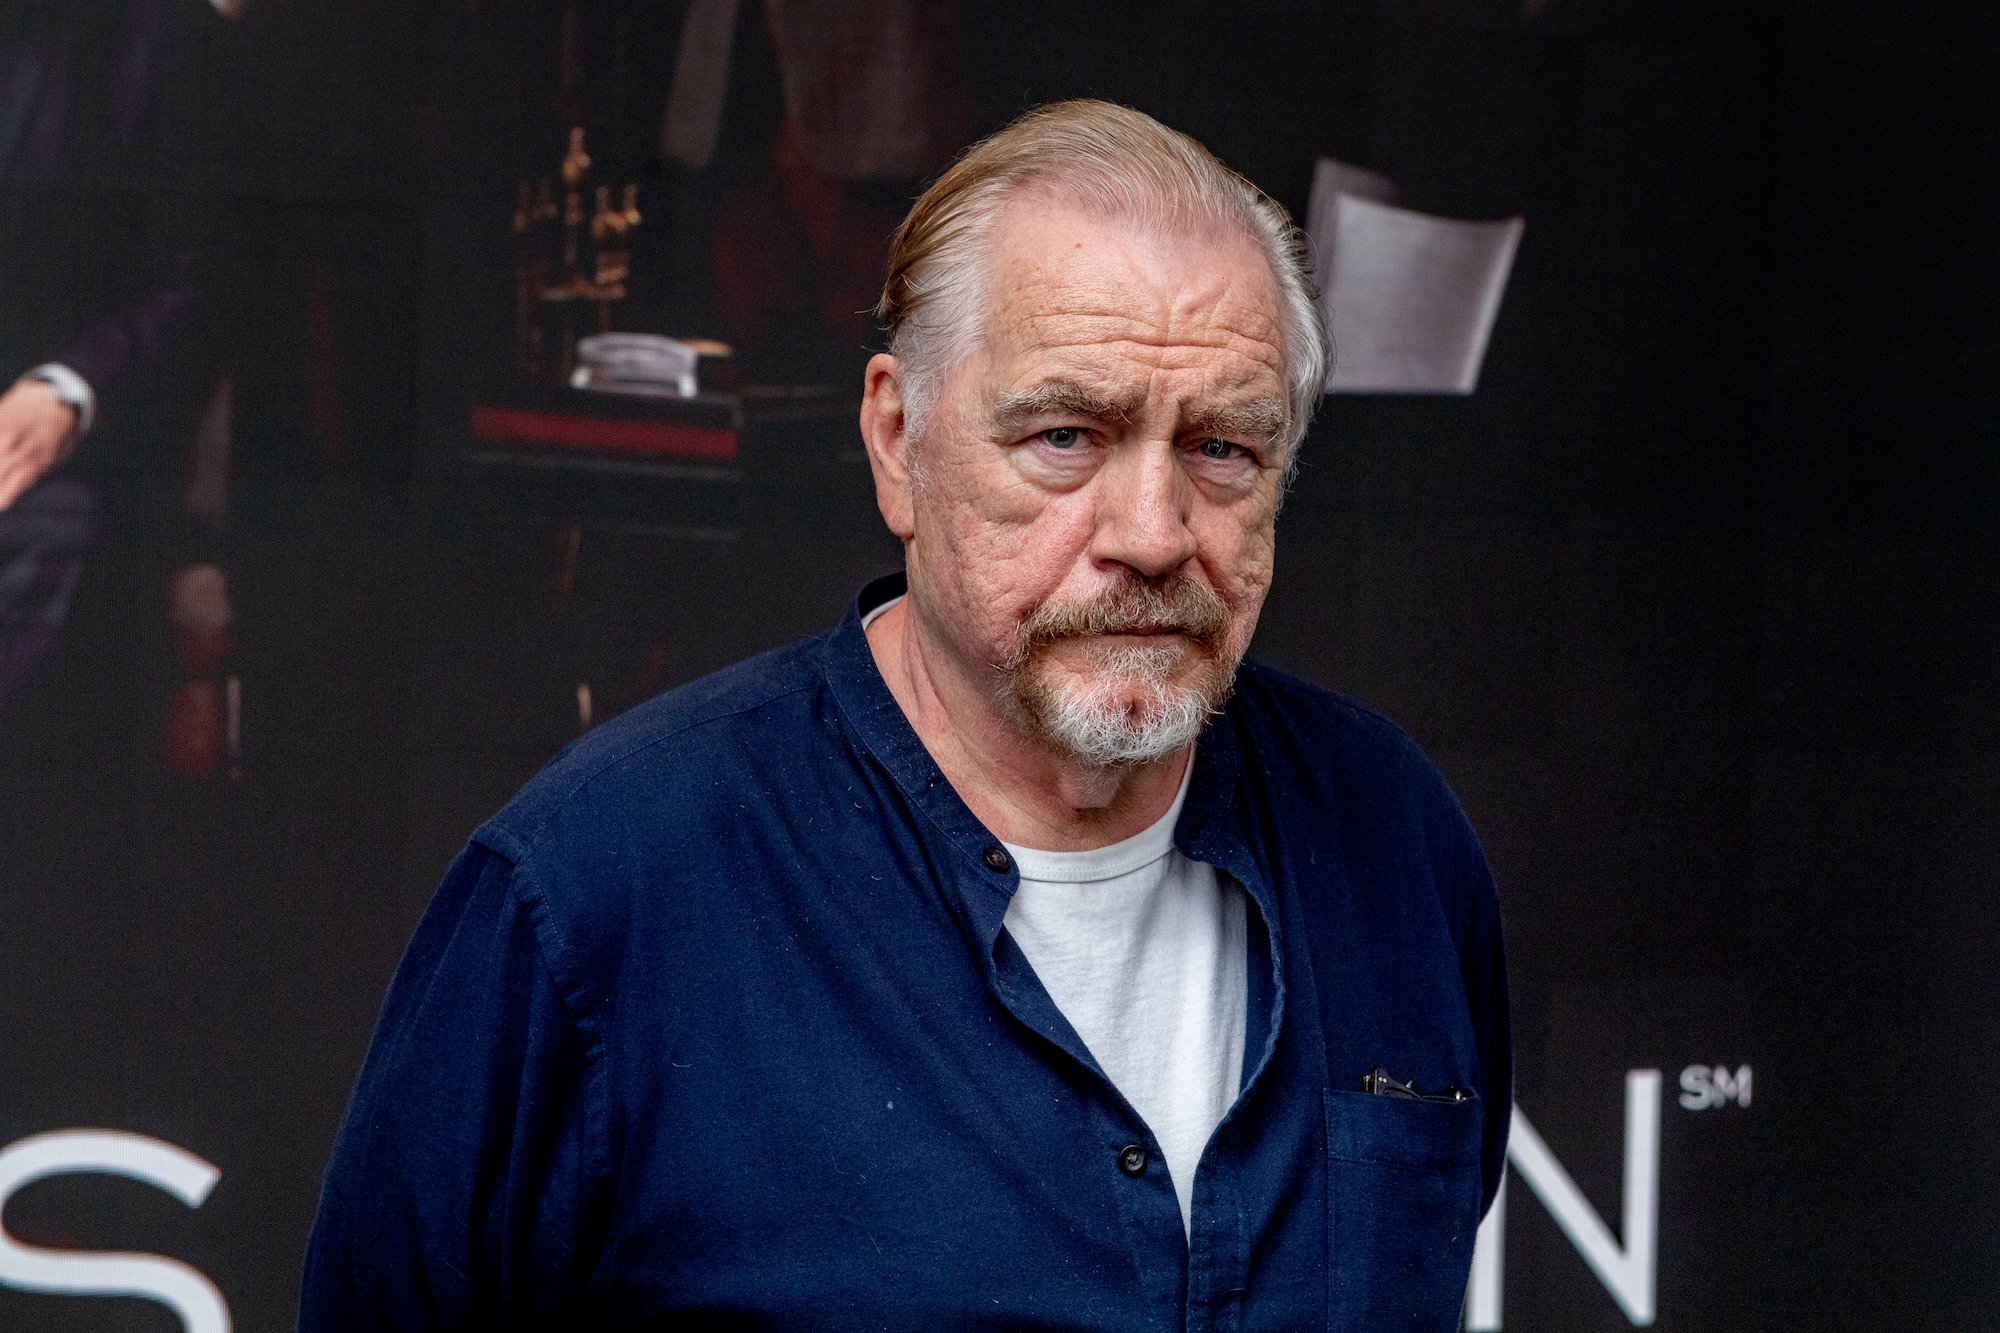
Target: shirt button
(1132, 1160)
(997, 860)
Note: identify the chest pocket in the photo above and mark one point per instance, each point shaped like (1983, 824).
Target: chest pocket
(1402, 1210)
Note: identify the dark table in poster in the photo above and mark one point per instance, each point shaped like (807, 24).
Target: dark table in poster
(690, 464)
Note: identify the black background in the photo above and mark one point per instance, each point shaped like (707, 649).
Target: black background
(1696, 602)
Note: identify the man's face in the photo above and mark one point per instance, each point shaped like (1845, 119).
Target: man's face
(1092, 523)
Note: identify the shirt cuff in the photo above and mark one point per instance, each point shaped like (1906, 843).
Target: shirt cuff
(71, 388)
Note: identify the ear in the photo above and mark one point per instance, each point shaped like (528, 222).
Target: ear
(883, 431)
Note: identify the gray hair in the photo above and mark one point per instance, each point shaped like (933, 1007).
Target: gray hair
(1110, 161)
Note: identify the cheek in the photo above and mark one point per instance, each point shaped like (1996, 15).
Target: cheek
(995, 551)
(1239, 560)
(1238, 548)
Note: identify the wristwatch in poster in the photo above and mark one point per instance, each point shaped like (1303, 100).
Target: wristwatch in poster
(71, 388)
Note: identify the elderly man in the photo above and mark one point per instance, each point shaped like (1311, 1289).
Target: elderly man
(1014, 955)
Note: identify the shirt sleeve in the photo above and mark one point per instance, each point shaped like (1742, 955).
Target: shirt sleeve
(467, 1173)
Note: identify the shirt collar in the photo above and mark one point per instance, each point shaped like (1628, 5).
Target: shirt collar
(869, 707)
(1213, 825)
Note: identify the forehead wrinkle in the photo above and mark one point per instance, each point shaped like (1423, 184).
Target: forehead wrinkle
(1237, 319)
(1200, 345)
(1052, 331)
(1049, 310)
(1239, 397)
(1041, 289)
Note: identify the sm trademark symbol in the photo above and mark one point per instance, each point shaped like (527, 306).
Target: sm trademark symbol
(1706, 1087)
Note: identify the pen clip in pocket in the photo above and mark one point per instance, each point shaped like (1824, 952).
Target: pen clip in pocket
(1379, 1082)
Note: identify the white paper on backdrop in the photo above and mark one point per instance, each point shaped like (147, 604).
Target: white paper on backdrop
(1411, 298)
(635, 363)
(1332, 179)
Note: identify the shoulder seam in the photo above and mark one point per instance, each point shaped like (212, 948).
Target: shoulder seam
(522, 847)
(553, 953)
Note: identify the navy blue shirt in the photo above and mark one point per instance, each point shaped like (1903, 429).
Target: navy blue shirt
(715, 1026)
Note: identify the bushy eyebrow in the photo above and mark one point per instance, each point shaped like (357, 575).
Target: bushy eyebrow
(1259, 421)
(1014, 411)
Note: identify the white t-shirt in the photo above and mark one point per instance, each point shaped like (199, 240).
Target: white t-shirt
(1143, 951)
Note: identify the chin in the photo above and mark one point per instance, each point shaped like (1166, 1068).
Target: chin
(1122, 716)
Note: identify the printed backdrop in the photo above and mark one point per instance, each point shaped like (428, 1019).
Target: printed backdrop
(1696, 600)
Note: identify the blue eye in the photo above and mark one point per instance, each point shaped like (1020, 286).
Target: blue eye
(1063, 437)
(1218, 449)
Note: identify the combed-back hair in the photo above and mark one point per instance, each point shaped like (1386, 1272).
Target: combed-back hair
(1106, 160)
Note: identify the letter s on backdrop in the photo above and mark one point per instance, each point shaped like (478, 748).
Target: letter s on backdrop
(180, 1173)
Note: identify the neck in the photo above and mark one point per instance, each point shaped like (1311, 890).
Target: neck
(1012, 782)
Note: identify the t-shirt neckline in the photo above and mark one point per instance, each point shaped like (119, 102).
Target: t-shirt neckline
(1101, 863)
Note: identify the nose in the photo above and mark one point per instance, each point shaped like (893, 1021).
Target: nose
(1144, 502)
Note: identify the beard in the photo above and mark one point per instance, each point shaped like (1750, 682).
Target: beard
(1130, 704)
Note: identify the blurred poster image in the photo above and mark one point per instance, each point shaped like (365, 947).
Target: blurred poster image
(109, 338)
(392, 394)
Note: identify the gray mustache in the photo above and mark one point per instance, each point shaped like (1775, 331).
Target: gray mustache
(1178, 604)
